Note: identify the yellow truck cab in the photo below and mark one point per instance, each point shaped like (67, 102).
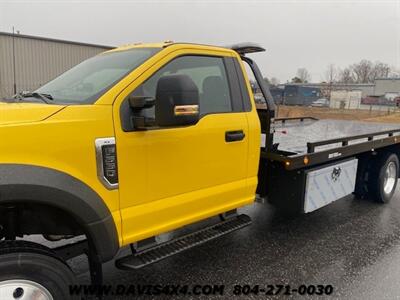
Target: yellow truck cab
(132, 143)
(139, 141)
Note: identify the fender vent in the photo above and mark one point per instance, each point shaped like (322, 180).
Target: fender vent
(106, 156)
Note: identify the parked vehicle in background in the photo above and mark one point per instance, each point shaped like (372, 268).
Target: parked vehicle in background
(300, 95)
(322, 102)
(259, 98)
(377, 100)
(277, 94)
(397, 101)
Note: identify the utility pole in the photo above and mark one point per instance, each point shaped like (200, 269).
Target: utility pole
(13, 54)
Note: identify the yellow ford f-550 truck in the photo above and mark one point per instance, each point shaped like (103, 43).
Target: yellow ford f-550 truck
(145, 139)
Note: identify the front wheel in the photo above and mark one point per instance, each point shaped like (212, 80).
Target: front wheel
(30, 271)
(384, 177)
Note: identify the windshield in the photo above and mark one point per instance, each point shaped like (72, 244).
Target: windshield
(86, 82)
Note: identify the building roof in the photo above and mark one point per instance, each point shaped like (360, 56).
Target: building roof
(54, 40)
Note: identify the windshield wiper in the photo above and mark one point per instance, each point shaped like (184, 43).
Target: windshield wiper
(46, 98)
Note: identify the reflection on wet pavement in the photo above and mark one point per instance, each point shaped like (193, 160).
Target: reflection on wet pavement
(351, 244)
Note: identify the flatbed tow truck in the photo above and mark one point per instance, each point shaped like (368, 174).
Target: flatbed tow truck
(145, 139)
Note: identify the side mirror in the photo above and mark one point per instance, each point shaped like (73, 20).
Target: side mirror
(141, 102)
(177, 101)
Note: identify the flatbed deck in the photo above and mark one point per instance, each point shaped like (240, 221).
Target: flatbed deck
(304, 142)
(293, 135)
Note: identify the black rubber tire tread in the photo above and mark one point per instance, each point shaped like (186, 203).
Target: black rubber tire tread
(377, 173)
(8, 246)
(35, 262)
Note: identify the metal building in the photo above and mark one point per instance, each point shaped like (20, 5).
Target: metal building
(384, 86)
(345, 99)
(365, 88)
(37, 60)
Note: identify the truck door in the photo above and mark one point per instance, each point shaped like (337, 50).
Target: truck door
(169, 177)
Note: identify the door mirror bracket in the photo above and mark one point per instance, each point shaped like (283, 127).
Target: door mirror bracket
(137, 105)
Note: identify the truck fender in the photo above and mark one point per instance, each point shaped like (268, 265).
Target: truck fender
(39, 185)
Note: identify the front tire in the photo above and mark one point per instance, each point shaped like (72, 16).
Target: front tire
(384, 177)
(29, 270)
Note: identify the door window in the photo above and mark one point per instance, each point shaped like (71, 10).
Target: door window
(209, 75)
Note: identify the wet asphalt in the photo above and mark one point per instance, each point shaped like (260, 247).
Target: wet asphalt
(353, 245)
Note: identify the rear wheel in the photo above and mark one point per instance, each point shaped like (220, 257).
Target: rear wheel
(384, 177)
(32, 271)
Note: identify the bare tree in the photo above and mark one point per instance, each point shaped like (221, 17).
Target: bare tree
(331, 73)
(361, 71)
(394, 72)
(345, 76)
(296, 80)
(303, 75)
(380, 70)
(274, 81)
(364, 71)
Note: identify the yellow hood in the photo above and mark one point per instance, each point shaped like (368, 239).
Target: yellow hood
(14, 113)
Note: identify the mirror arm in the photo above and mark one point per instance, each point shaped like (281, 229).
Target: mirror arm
(139, 123)
(137, 105)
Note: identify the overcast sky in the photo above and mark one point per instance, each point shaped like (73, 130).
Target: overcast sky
(310, 34)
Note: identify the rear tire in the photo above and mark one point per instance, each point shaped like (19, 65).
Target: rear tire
(28, 269)
(384, 176)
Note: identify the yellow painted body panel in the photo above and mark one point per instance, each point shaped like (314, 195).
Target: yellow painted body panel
(63, 142)
(167, 214)
(167, 178)
(182, 175)
(173, 177)
(11, 113)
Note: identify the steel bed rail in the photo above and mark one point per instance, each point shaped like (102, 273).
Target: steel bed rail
(283, 120)
(345, 140)
(293, 161)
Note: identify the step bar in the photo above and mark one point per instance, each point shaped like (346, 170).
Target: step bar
(155, 254)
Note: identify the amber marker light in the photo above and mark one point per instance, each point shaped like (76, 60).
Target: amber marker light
(306, 160)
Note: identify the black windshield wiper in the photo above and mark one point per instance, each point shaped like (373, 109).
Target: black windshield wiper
(46, 98)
